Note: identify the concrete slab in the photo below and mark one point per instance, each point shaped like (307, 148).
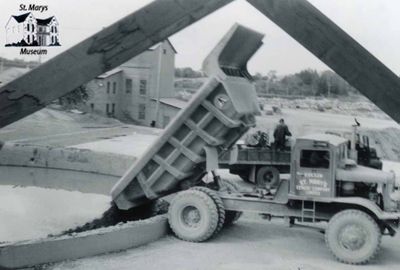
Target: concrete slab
(85, 244)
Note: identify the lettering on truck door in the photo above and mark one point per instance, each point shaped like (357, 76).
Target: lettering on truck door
(313, 174)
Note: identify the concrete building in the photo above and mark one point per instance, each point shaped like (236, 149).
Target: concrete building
(26, 30)
(138, 90)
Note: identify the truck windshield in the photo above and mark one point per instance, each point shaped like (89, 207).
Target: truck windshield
(314, 159)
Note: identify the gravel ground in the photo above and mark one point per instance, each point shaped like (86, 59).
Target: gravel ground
(250, 244)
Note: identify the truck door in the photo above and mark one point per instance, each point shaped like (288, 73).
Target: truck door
(313, 177)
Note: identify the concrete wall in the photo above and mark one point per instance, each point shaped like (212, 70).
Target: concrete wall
(166, 70)
(166, 115)
(69, 247)
(61, 168)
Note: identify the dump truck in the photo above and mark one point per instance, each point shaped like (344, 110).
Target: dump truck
(209, 206)
(325, 185)
(263, 165)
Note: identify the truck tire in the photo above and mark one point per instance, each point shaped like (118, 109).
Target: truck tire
(229, 185)
(353, 237)
(218, 202)
(267, 177)
(230, 216)
(193, 216)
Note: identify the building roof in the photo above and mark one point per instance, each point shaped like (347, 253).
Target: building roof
(172, 46)
(152, 48)
(22, 17)
(44, 21)
(173, 102)
(109, 73)
(331, 139)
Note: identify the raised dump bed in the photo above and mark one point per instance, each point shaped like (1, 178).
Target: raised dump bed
(216, 117)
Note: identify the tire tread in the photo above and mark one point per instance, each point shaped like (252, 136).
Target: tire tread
(211, 206)
(355, 213)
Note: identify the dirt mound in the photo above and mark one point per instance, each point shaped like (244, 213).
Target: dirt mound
(113, 216)
(386, 141)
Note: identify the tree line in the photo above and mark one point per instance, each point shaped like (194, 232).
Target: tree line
(307, 82)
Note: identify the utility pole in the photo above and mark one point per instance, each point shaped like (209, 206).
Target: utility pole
(160, 53)
(329, 87)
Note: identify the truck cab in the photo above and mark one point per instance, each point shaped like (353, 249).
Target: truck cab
(313, 164)
(321, 169)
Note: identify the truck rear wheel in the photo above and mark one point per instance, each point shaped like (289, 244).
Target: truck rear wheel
(230, 216)
(193, 216)
(353, 237)
(267, 177)
(218, 202)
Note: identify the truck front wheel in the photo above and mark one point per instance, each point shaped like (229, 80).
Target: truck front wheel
(353, 237)
(193, 216)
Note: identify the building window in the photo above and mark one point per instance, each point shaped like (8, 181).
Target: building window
(33, 28)
(28, 27)
(143, 87)
(164, 51)
(113, 109)
(107, 108)
(91, 107)
(108, 87)
(314, 159)
(142, 111)
(114, 87)
(29, 38)
(128, 86)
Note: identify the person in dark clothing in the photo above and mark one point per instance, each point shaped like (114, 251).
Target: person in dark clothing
(280, 133)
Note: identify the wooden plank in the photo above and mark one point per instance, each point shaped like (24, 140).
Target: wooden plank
(337, 49)
(99, 53)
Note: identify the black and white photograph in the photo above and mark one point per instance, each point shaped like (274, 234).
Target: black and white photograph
(200, 135)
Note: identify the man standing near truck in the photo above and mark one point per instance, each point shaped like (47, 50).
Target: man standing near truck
(280, 133)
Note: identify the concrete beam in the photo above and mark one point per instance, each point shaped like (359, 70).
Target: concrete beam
(337, 49)
(85, 244)
(99, 53)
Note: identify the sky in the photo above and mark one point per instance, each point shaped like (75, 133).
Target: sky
(373, 23)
